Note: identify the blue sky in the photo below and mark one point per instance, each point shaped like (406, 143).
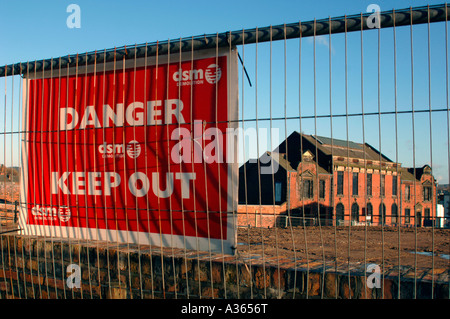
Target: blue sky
(38, 30)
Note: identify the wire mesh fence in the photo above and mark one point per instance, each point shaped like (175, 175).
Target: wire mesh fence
(248, 164)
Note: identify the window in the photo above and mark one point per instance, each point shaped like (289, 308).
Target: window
(382, 213)
(369, 211)
(369, 184)
(394, 185)
(418, 218)
(322, 189)
(308, 188)
(427, 193)
(355, 212)
(278, 192)
(427, 221)
(407, 192)
(394, 212)
(383, 182)
(426, 214)
(340, 183)
(339, 212)
(407, 215)
(355, 184)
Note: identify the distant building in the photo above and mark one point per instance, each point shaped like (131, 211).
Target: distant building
(333, 182)
(443, 199)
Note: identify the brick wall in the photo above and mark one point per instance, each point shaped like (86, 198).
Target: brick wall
(33, 267)
(259, 215)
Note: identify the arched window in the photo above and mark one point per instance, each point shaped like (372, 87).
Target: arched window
(418, 215)
(382, 214)
(339, 213)
(394, 211)
(355, 212)
(369, 212)
(418, 218)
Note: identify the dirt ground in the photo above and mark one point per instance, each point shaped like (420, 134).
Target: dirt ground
(386, 246)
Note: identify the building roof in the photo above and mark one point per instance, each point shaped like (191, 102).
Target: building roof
(419, 171)
(281, 159)
(329, 141)
(406, 175)
(346, 148)
(274, 156)
(335, 147)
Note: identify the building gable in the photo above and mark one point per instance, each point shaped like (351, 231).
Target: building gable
(306, 174)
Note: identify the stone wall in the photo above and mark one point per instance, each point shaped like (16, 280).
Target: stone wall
(35, 267)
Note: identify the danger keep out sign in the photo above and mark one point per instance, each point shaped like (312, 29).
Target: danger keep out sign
(144, 152)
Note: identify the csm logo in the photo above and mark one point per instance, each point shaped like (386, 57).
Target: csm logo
(211, 74)
(133, 150)
(41, 212)
(111, 150)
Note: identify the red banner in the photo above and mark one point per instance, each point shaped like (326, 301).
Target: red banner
(132, 150)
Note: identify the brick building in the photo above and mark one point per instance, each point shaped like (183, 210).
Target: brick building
(334, 182)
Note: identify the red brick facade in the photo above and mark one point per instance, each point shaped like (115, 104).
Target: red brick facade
(333, 182)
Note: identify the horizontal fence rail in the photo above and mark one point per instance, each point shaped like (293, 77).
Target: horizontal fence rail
(303, 160)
